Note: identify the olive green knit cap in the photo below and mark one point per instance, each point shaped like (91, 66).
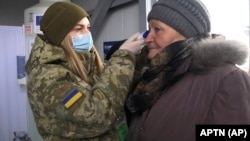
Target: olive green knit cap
(59, 19)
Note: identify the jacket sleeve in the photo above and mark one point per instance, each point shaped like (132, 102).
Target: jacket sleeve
(231, 104)
(96, 109)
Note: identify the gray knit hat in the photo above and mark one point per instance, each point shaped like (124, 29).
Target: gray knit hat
(59, 19)
(188, 17)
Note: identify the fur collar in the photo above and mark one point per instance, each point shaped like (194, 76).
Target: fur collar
(209, 53)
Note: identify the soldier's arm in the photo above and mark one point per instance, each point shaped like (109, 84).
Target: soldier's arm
(95, 108)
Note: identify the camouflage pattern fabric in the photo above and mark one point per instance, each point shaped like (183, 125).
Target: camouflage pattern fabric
(93, 115)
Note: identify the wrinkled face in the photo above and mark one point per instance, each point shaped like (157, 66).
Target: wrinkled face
(160, 36)
(81, 27)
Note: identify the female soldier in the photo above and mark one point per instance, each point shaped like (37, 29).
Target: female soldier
(72, 97)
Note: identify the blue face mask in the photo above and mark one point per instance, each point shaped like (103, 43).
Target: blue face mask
(82, 42)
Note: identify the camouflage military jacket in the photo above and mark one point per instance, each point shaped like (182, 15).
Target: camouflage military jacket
(66, 108)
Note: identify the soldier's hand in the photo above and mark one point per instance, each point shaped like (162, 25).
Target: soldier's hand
(132, 44)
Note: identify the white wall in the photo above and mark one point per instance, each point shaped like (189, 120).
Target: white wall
(12, 96)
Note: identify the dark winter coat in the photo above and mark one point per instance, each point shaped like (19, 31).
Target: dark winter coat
(210, 90)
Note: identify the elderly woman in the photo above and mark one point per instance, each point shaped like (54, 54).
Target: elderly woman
(185, 77)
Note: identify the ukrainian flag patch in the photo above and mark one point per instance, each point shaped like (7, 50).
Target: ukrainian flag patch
(71, 98)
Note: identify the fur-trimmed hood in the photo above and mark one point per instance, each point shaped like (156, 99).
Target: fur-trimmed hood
(209, 53)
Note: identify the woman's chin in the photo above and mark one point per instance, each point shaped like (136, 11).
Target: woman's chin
(151, 55)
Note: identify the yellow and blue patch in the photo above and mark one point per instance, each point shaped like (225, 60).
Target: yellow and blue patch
(71, 98)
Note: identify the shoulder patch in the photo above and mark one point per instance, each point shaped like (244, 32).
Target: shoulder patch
(71, 98)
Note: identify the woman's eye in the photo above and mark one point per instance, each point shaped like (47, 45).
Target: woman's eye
(157, 29)
(78, 29)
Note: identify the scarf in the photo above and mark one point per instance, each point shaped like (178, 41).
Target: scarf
(163, 72)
